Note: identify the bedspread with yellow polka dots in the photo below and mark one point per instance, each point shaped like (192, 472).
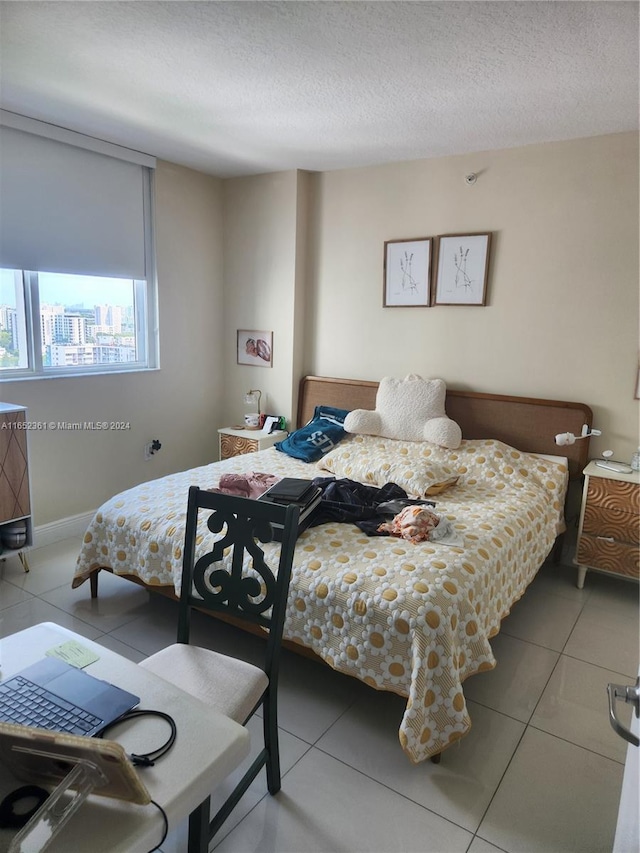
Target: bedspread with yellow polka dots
(410, 618)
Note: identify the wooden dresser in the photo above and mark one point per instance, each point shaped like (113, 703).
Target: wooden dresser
(609, 524)
(15, 500)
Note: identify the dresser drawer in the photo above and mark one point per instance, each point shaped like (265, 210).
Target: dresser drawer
(613, 494)
(623, 526)
(235, 445)
(617, 557)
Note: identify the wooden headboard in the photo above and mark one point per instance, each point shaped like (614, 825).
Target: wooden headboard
(526, 423)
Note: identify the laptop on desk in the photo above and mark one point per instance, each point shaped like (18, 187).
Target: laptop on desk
(53, 695)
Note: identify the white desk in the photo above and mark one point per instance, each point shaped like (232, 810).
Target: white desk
(208, 747)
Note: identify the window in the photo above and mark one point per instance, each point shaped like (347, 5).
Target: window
(13, 326)
(54, 323)
(77, 272)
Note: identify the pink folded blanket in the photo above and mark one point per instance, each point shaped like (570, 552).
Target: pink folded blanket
(250, 485)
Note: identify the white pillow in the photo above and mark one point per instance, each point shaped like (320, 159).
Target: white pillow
(409, 409)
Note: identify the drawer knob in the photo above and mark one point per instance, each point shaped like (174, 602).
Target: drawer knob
(606, 538)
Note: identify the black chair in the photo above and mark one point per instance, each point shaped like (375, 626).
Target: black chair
(233, 686)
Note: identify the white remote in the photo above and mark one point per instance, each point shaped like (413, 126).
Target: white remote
(618, 467)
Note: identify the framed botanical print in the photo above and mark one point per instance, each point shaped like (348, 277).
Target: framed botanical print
(462, 269)
(407, 272)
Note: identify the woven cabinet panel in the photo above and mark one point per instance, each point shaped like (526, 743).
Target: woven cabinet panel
(14, 474)
(617, 557)
(614, 494)
(235, 445)
(623, 526)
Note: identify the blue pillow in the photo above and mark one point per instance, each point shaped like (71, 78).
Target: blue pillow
(319, 436)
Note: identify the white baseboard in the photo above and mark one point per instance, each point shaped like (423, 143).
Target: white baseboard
(64, 528)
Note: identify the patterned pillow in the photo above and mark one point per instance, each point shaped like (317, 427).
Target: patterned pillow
(376, 461)
(319, 436)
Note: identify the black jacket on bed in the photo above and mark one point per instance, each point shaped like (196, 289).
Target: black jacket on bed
(347, 501)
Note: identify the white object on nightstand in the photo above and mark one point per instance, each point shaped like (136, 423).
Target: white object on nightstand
(610, 465)
(233, 442)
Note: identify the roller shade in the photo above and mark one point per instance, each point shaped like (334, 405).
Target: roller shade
(69, 209)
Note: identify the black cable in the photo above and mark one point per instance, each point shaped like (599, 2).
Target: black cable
(10, 817)
(166, 825)
(147, 759)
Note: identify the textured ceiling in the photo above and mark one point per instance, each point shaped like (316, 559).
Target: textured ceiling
(235, 88)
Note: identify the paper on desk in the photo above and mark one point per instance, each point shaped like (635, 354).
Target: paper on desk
(74, 654)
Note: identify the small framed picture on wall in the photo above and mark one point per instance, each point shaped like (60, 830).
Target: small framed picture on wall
(462, 269)
(407, 272)
(255, 347)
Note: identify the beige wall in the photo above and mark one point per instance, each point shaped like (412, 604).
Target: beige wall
(74, 472)
(264, 241)
(562, 314)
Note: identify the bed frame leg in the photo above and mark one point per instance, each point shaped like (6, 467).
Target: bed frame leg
(93, 582)
(556, 551)
(435, 759)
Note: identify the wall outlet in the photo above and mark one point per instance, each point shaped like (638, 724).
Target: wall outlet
(151, 448)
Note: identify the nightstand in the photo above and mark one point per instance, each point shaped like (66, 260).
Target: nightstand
(233, 442)
(609, 523)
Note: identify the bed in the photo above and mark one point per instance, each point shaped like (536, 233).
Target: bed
(414, 619)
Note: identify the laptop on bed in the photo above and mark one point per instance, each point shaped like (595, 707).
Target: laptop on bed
(53, 695)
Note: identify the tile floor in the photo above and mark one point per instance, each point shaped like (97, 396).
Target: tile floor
(541, 769)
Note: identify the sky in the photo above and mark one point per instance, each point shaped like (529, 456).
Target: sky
(71, 290)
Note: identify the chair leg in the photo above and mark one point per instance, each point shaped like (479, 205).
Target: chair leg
(271, 742)
(199, 828)
(238, 792)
